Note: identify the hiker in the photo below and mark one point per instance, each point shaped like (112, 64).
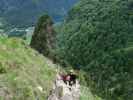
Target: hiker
(73, 78)
(70, 78)
(65, 78)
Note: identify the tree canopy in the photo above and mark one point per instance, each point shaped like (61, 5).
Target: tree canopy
(98, 36)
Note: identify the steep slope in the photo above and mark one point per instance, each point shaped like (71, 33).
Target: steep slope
(91, 37)
(27, 75)
(24, 73)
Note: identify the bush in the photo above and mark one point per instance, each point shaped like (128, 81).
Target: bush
(95, 37)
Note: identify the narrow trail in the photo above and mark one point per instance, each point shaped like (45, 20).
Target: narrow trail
(63, 91)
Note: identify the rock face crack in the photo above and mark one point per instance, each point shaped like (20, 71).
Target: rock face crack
(63, 91)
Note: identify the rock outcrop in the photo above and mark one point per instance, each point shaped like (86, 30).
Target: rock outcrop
(62, 91)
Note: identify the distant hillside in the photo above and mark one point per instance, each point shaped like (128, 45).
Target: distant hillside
(24, 73)
(25, 12)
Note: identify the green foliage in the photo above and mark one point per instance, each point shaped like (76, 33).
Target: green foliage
(86, 94)
(95, 37)
(43, 37)
(26, 70)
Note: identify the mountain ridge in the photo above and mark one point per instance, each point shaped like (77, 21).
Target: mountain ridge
(25, 13)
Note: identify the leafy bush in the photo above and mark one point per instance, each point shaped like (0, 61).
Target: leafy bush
(95, 37)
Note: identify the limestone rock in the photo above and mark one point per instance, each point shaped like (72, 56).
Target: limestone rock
(62, 91)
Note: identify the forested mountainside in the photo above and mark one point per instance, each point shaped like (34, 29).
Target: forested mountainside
(94, 43)
(97, 37)
(25, 12)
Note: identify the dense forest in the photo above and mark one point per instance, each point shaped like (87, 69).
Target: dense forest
(97, 38)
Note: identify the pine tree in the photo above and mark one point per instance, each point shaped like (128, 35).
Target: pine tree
(43, 37)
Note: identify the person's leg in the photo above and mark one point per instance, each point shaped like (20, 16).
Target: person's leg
(73, 79)
(70, 83)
